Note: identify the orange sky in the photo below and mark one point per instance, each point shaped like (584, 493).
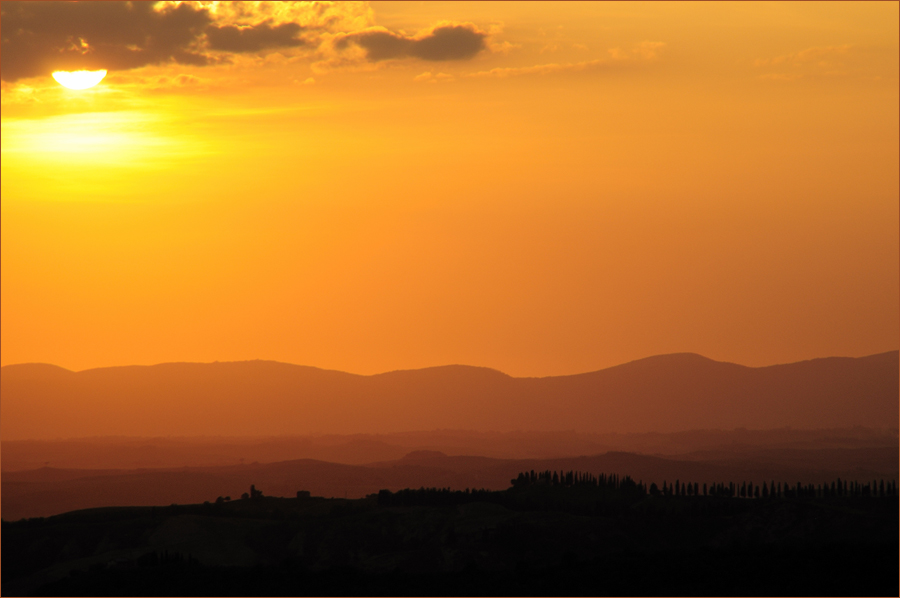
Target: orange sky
(543, 189)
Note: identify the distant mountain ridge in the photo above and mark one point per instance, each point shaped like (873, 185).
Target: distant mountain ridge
(664, 393)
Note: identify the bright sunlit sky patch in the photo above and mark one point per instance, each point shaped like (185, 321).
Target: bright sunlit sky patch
(539, 188)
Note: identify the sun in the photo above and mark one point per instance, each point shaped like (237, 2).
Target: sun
(79, 79)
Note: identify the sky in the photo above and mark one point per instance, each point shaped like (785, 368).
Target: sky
(539, 188)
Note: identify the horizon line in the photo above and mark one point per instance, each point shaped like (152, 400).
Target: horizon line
(451, 365)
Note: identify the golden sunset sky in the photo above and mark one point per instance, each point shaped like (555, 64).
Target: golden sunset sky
(538, 188)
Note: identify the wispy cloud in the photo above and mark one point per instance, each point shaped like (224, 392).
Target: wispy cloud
(643, 52)
(429, 77)
(540, 69)
(818, 62)
(821, 55)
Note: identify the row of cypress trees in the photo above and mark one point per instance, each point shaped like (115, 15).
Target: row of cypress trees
(839, 488)
(615, 483)
(612, 486)
(576, 478)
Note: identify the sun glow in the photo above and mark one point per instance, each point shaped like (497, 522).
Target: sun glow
(93, 155)
(79, 79)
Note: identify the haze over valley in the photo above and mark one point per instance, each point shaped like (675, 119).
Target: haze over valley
(656, 419)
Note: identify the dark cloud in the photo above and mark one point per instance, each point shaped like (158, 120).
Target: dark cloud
(41, 37)
(447, 42)
(253, 39)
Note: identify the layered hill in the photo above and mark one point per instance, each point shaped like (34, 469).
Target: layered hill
(124, 452)
(664, 394)
(49, 491)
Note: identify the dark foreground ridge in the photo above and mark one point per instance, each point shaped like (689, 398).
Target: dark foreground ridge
(551, 533)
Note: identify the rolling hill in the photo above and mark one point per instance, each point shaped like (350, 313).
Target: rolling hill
(662, 394)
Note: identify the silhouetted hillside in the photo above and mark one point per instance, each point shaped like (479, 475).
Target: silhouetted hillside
(664, 393)
(48, 491)
(551, 533)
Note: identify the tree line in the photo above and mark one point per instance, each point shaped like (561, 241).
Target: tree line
(615, 488)
(615, 483)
